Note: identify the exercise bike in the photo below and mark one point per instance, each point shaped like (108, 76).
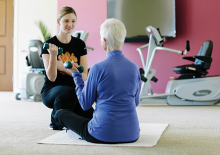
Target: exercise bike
(192, 87)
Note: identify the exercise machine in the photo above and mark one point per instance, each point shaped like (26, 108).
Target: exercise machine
(192, 87)
(31, 83)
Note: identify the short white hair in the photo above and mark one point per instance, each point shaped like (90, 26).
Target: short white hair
(114, 32)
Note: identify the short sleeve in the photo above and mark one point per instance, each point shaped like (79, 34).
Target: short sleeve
(45, 51)
(84, 50)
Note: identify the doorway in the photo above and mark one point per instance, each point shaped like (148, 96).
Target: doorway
(6, 44)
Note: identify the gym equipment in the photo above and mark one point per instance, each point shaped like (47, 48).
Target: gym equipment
(67, 64)
(46, 46)
(202, 63)
(192, 87)
(32, 83)
(83, 35)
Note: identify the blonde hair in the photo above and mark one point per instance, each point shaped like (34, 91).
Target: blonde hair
(114, 32)
(66, 10)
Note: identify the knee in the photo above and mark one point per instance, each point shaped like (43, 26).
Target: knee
(58, 113)
(48, 104)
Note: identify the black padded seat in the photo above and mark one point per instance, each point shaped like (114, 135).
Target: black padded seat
(202, 63)
(187, 69)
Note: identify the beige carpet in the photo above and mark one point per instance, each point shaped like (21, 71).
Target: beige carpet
(192, 130)
(150, 133)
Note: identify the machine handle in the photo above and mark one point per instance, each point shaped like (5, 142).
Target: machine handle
(187, 45)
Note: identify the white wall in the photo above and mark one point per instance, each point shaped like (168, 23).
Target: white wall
(26, 14)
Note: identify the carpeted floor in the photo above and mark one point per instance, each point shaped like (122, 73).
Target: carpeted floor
(192, 130)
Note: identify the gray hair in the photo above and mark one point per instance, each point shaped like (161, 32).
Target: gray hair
(114, 32)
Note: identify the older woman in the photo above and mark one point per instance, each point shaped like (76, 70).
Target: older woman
(114, 84)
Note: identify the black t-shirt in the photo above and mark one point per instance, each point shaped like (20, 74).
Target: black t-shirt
(71, 51)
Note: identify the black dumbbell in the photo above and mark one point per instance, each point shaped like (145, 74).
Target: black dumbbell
(67, 64)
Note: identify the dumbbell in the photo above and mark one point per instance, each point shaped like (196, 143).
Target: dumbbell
(67, 64)
(46, 46)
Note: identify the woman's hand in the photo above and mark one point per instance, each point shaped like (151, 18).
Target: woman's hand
(53, 50)
(74, 67)
(60, 66)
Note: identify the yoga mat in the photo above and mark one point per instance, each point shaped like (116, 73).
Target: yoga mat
(150, 133)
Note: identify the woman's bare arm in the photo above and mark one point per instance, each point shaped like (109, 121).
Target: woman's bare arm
(50, 62)
(83, 62)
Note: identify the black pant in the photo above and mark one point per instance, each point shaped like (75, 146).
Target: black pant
(62, 97)
(78, 124)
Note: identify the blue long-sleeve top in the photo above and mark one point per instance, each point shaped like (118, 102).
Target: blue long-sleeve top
(114, 84)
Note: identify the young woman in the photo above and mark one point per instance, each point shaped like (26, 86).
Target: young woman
(58, 91)
(114, 84)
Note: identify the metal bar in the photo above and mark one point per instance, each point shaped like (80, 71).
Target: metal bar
(157, 95)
